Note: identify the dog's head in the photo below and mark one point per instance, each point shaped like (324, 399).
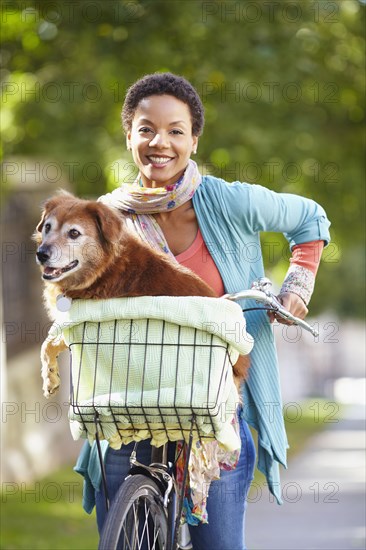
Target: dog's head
(76, 239)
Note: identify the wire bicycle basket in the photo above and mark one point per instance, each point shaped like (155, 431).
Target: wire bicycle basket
(145, 379)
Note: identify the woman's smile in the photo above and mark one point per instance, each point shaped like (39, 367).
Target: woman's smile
(159, 161)
(161, 139)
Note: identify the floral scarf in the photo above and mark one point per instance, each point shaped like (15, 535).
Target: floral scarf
(140, 203)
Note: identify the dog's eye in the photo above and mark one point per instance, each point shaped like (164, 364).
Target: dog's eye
(47, 227)
(74, 233)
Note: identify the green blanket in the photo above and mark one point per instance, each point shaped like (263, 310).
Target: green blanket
(147, 365)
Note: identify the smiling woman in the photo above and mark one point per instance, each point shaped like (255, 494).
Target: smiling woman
(205, 223)
(163, 118)
(161, 139)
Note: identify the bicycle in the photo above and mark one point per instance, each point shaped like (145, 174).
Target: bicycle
(147, 509)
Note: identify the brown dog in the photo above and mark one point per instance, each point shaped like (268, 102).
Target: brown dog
(85, 251)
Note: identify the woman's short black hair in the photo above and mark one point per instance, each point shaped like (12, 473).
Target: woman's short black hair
(159, 84)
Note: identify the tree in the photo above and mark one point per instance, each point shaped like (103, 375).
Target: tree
(282, 84)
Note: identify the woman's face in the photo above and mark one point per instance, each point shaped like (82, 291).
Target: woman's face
(161, 139)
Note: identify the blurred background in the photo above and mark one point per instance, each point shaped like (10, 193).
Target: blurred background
(283, 89)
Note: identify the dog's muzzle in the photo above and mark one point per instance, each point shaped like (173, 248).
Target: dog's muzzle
(52, 272)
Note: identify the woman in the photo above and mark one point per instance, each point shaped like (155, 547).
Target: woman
(213, 227)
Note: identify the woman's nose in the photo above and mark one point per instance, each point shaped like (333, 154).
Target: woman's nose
(159, 140)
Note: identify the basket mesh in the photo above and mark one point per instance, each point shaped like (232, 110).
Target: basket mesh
(149, 380)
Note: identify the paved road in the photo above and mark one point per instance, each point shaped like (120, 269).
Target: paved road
(324, 495)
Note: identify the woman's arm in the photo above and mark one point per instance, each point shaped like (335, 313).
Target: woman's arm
(299, 282)
(256, 208)
(302, 221)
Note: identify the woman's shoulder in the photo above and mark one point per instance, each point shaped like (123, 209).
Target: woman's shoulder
(210, 180)
(218, 186)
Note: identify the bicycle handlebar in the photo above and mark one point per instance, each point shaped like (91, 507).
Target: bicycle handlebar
(260, 293)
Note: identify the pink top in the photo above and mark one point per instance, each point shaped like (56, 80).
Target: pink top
(308, 255)
(198, 259)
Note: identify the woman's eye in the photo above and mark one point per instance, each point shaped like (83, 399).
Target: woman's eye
(144, 130)
(74, 233)
(177, 132)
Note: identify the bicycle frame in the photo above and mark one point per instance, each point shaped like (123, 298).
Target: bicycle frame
(162, 472)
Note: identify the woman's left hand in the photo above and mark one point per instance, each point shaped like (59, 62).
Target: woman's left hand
(293, 303)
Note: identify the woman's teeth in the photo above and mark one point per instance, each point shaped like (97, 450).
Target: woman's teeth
(159, 160)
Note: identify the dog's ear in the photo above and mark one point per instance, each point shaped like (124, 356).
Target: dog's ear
(51, 204)
(108, 222)
(40, 224)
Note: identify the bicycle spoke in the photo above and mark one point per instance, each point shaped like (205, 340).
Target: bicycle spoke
(126, 538)
(156, 532)
(135, 535)
(130, 533)
(142, 523)
(146, 515)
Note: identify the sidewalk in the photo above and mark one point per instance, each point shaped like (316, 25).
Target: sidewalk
(323, 492)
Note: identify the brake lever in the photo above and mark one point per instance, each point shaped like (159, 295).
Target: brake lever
(264, 284)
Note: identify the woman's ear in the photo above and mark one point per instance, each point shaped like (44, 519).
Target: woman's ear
(128, 141)
(194, 144)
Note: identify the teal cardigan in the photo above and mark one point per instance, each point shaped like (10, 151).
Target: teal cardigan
(231, 217)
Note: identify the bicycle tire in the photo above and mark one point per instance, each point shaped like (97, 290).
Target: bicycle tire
(136, 519)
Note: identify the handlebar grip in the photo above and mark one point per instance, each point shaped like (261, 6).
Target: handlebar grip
(287, 315)
(272, 302)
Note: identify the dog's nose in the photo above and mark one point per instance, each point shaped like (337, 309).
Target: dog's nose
(42, 255)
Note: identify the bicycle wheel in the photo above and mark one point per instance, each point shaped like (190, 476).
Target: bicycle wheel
(136, 519)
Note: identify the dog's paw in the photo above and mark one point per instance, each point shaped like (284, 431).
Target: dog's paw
(51, 382)
(50, 374)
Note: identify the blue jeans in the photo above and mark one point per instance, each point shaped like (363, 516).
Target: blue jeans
(226, 503)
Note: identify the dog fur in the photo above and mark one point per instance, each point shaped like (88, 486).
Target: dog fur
(85, 251)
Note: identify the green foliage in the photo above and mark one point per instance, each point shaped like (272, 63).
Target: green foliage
(46, 514)
(282, 84)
